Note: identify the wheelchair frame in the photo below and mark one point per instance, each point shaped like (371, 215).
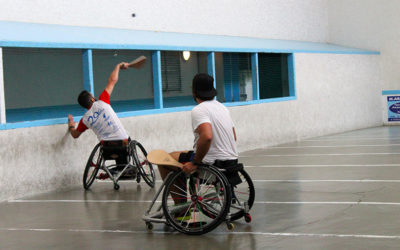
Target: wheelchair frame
(133, 163)
(204, 203)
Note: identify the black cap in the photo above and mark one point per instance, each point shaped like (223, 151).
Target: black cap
(203, 86)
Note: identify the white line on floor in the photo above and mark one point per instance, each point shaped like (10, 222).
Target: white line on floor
(80, 201)
(349, 139)
(295, 181)
(284, 155)
(329, 203)
(324, 166)
(267, 234)
(337, 146)
(256, 202)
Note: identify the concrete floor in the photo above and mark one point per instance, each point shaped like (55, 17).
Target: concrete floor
(332, 192)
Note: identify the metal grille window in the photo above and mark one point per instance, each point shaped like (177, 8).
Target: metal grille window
(234, 78)
(273, 75)
(171, 71)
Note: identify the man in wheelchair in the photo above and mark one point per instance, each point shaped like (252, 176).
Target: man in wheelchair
(101, 118)
(214, 132)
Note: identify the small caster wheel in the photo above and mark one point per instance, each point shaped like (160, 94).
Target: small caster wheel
(138, 178)
(149, 226)
(247, 218)
(230, 226)
(116, 186)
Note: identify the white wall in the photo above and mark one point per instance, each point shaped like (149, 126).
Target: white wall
(336, 93)
(370, 24)
(283, 19)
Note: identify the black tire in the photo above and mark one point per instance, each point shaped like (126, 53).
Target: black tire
(244, 192)
(204, 193)
(92, 167)
(145, 168)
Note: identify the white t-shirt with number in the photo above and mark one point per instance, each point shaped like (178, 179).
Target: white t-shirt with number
(223, 144)
(102, 119)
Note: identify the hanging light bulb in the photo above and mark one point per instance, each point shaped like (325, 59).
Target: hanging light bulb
(186, 55)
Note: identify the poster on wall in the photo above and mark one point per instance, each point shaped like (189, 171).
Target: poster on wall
(393, 103)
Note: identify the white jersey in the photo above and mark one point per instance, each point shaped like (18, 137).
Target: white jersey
(102, 119)
(223, 144)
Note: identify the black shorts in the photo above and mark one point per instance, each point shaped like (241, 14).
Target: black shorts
(186, 157)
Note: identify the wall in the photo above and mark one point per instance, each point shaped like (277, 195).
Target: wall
(283, 19)
(373, 25)
(334, 92)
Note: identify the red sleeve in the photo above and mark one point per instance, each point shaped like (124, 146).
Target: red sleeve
(105, 97)
(81, 127)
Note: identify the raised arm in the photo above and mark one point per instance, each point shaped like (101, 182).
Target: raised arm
(113, 79)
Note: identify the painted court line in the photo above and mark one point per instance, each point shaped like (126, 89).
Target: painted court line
(324, 166)
(337, 146)
(340, 136)
(256, 202)
(349, 139)
(300, 181)
(266, 234)
(293, 155)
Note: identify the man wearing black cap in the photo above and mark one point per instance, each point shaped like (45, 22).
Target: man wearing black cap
(214, 132)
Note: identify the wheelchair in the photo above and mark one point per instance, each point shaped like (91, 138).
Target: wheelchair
(129, 156)
(197, 203)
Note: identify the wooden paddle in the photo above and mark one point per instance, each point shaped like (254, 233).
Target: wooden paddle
(161, 157)
(137, 63)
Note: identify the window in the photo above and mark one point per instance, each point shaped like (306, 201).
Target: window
(233, 77)
(171, 71)
(273, 75)
(41, 83)
(177, 76)
(134, 90)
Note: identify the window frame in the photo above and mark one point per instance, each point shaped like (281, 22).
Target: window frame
(88, 84)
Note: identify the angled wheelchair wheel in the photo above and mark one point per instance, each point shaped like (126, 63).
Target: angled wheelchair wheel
(92, 167)
(145, 168)
(197, 203)
(242, 197)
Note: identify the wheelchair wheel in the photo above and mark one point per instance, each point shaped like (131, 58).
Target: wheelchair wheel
(197, 203)
(92, 167)
(145, 168)
(243, 195)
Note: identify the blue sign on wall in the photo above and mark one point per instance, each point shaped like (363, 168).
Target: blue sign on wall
(393, 103)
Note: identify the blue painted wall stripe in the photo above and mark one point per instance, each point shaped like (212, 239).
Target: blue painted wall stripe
(17, 34)
(87, 64)
(48, 122)
(254, 76)
(391, 92)
(157, 79)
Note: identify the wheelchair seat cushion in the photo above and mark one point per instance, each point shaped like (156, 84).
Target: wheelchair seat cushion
(117, 149)
(230, 168)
